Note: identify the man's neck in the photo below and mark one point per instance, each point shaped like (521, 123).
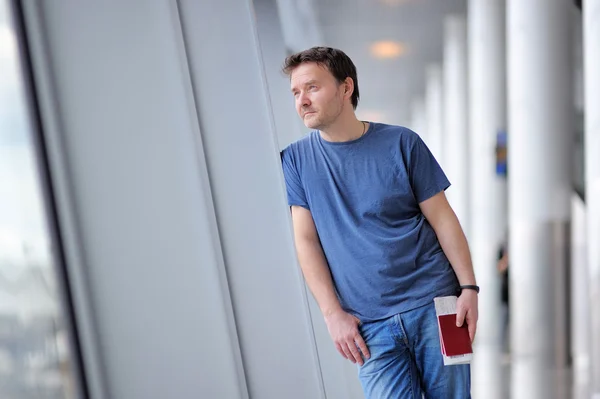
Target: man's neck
(344, 129)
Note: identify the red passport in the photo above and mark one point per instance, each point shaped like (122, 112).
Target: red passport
(455, 340)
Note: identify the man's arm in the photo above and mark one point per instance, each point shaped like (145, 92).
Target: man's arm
(442, 218)
(342, 326)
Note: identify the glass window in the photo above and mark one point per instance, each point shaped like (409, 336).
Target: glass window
(35, 359)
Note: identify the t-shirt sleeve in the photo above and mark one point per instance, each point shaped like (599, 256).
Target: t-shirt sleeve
(293, 183)
(426, 175)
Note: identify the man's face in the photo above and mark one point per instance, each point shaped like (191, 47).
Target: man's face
(318, 95)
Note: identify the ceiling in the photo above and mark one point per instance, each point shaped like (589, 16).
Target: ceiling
(387, 86)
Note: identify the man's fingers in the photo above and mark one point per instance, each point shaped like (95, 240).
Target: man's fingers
(355, 354)
(472, 332)
(360, 342)
(460, 317)
(472, 329)
(339, 349)
(347, 352)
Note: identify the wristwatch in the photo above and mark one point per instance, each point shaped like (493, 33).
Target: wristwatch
(470, 287)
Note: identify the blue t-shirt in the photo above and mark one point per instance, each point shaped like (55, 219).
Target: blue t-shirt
(364, 198)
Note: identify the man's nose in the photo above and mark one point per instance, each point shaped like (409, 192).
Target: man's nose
(303, 100)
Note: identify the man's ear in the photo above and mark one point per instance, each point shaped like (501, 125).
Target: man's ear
(348, 87)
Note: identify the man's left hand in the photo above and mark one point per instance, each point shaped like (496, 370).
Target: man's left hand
(466, 310)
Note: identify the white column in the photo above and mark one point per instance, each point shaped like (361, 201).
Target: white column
(434, 103)
(580, 325)
(540, 129)
(591, 54)
(418, 117)
(580, 304)
(487, 116)
(455, 116)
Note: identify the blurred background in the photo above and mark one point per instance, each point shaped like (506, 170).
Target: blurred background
(145, 240)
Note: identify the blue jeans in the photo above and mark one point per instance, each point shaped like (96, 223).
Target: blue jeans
(406, 361)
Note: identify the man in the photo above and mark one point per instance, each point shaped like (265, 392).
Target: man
(375, 236)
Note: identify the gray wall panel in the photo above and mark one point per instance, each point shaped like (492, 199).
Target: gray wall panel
(243, 160)
(140, 195)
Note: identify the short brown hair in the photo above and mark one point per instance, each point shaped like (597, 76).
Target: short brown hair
(336, 61)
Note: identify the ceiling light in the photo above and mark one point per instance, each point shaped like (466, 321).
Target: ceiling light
(393, 3)
(387, 49)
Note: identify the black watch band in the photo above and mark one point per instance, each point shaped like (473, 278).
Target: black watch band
(470, 287)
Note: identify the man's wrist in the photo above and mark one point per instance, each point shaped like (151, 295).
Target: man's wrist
(331, 310)
(472, 287)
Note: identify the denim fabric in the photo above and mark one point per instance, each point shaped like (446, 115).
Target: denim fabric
(406, 361)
